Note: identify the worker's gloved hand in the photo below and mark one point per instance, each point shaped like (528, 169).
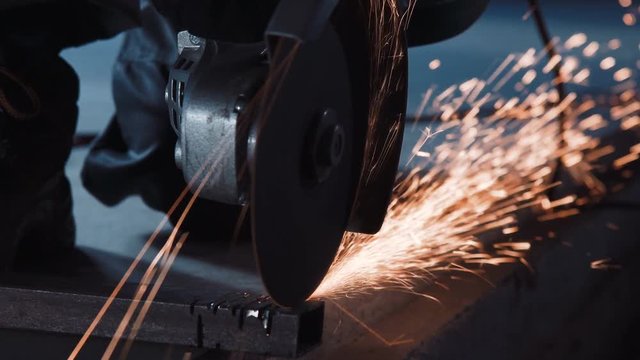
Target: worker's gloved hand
(135, 154)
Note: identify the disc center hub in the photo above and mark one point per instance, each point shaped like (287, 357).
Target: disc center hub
(327, 145)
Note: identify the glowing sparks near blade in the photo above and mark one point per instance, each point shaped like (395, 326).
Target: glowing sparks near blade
(489, 167)
(387, 24)
(477, 183)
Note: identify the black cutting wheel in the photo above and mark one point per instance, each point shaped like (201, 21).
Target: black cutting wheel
(303, 169)
(306, 162)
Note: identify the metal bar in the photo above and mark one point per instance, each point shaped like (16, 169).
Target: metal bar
(250, 323)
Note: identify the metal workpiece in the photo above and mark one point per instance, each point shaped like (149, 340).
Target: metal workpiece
(209, 88)
(251, 323)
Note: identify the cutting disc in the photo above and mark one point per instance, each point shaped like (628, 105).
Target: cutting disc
(303, 167)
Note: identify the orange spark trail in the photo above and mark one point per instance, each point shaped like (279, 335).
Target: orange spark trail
(152, 295)
(377, 335)
(144, 284)
(152, 267)
(131, 269)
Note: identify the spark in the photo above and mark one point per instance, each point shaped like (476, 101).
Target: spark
(614, 44)
(591, 49)
(553, 62)
(510, 230)
(503, 66)
(395, 342)
(567, 200)
(629, 19)
(517, 246)
(528, 77)
(605, 264)
(576, 40)
(607, 63)
(570, 64)
(625, 160)
(624, 3)
(622, 111)
(559, 215)
(622, 74)
(581, 76)
(593, 122)
(612, 226)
